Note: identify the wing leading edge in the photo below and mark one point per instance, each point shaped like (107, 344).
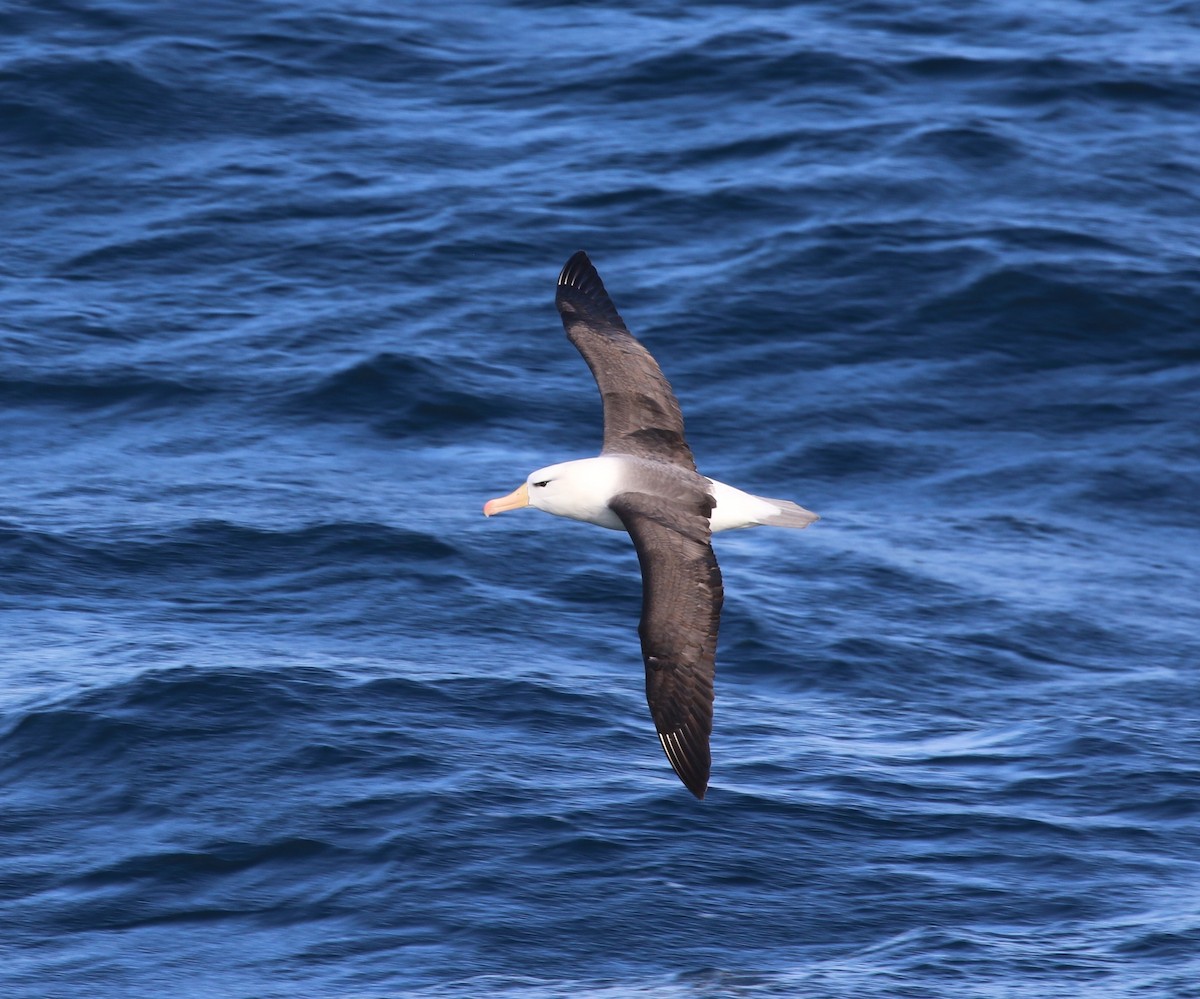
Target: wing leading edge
(681, 609)
(641, 414)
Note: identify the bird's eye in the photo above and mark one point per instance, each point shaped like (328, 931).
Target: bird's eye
(544, 483)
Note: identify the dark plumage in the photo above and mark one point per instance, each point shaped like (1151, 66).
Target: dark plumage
(681, 582)
(645, 481)
(641, 414)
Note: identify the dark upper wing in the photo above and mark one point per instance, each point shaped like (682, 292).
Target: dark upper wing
(681, 609)
(641, 413)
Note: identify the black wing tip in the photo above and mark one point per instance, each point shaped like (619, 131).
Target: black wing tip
(576, 269)
(580, 274)
(581, 290)
(689, 759)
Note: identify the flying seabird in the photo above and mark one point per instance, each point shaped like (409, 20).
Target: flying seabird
(644, 481)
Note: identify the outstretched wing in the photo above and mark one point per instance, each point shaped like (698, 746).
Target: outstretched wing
(681, 610)
(641, 413)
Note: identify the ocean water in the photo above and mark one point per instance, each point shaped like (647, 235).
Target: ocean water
(282, 715)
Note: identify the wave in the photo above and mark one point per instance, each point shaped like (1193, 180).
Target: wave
(58, 104)
(407, 390)
(281, 278)
(100, 390)
(214, 555)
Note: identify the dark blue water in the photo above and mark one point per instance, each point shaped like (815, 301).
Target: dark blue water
(282, 715)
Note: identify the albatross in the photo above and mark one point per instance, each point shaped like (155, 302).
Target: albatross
(645, 482)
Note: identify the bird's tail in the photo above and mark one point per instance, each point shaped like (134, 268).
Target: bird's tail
(790, 514)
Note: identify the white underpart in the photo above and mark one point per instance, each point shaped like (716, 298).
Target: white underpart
(736, 509)
(580, 490)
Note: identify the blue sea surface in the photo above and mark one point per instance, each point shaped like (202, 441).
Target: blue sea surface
(281, 713)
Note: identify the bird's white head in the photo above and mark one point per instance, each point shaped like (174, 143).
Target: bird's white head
(579, 490)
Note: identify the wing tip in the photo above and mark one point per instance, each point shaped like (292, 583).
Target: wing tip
(579, 272)
(690, 760)
(579, 261)
(581, 291)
